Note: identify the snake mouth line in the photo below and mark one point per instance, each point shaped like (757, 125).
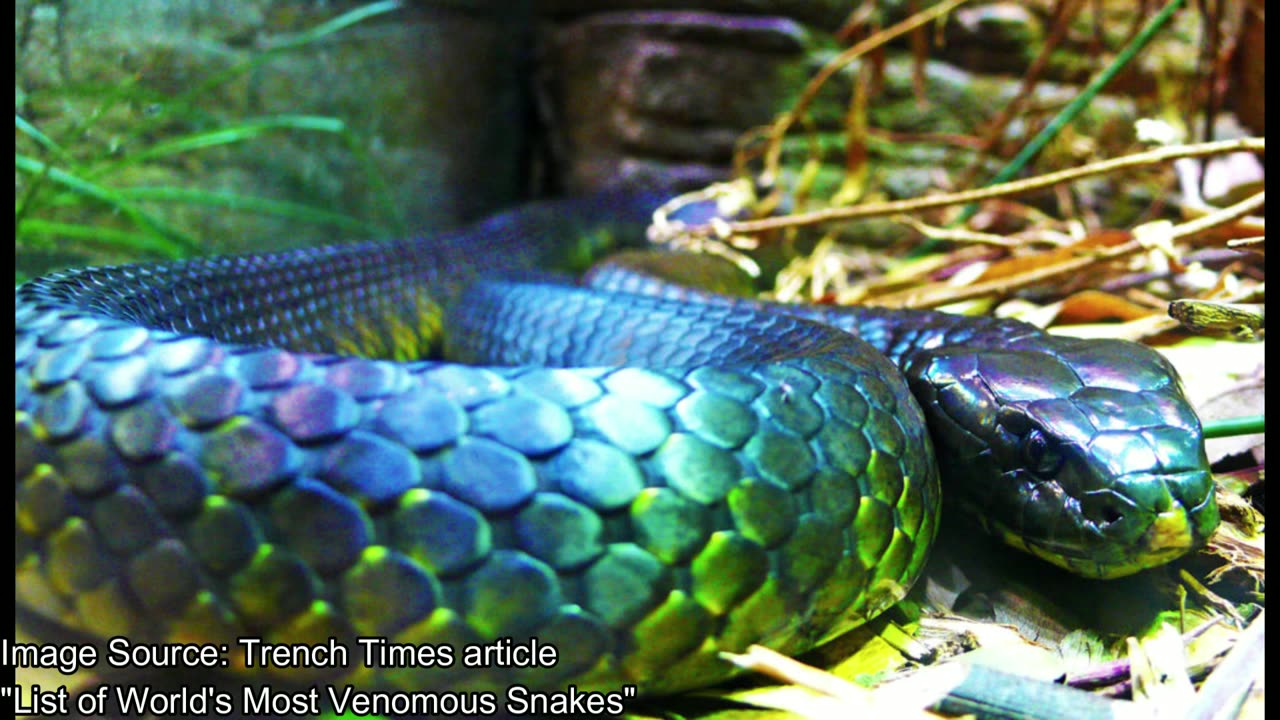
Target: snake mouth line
(1169, 535)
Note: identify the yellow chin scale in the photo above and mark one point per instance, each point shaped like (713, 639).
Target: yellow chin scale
(1168, 538)
(1170, 535)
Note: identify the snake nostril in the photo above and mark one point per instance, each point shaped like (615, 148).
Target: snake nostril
(1102, 511)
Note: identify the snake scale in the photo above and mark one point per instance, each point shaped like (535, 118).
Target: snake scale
(209, 449)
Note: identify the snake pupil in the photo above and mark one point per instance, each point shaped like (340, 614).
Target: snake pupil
(1043, 459)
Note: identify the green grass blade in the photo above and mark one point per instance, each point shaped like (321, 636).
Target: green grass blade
(290, 42)
(238, 133)
(252, 204)
(1230, 427)
(101, 194)
(228, 135)
(336, 25)
(85, 188)
(42, 233)
(21, 125)
(255, 128)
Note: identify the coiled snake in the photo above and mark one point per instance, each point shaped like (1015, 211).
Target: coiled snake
(641, 482)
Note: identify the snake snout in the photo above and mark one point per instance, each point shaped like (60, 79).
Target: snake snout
(1146, 519)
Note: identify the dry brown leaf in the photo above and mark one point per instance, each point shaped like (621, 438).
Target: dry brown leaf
(1018, 265)
(1087, 306)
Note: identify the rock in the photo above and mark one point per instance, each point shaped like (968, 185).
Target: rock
(635, 91)
(1002, 37)
(822, 14)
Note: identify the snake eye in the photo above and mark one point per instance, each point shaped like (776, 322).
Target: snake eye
(1042, 455)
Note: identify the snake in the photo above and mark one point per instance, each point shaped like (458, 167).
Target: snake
(436, 442)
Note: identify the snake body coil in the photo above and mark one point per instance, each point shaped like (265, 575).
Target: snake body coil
(637, 481)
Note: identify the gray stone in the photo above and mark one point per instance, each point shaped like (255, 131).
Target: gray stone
(639, 91)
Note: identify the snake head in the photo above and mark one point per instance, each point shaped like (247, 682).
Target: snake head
(1084, 453)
